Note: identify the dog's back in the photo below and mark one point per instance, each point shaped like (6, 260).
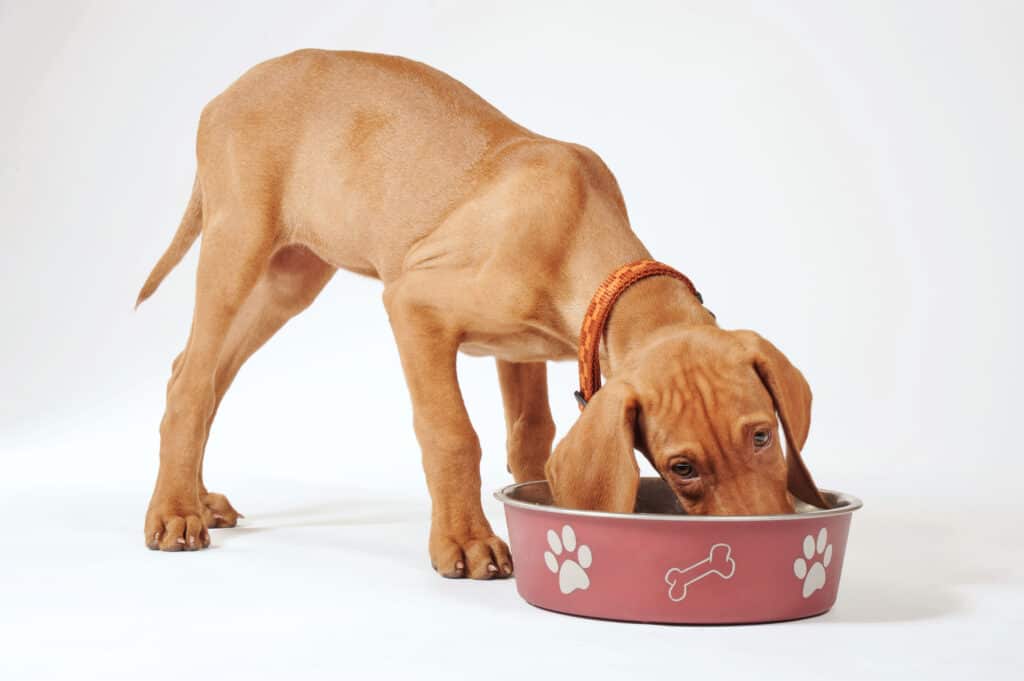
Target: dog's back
(365, 151)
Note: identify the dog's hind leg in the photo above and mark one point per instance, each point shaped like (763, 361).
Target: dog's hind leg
(291, 282)
(237, 246)
(530, 428)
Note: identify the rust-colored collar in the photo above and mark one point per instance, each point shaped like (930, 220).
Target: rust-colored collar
(597, 316)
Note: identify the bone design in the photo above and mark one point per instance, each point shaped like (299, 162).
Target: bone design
(719, 562)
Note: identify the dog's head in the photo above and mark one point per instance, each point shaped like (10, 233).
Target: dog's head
(703, 405)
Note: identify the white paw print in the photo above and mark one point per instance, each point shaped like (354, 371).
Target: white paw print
(572, 574)
(813, 578)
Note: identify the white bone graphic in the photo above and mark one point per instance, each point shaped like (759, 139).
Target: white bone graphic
(719, 562)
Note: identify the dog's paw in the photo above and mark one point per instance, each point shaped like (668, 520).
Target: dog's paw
(171, 528)
(218, 511)
(480, 557)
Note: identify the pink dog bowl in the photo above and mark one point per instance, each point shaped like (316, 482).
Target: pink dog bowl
(659, 565)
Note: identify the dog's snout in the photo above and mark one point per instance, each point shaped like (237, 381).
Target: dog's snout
(749, 497)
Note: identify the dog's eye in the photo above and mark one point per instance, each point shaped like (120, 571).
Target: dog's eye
(684, 469)
(762, 439)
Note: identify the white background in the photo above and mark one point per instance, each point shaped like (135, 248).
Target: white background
(845, 179)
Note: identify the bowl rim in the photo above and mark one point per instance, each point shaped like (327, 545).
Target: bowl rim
(846, 503)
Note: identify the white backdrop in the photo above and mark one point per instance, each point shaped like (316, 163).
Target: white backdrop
(845, 179)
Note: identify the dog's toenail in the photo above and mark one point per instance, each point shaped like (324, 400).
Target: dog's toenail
(180, 540)
(459, 565)
(507, 569)
(492, 567)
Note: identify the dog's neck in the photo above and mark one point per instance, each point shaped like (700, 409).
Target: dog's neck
(643, 312)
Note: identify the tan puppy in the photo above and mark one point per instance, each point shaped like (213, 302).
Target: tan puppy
(489, 239)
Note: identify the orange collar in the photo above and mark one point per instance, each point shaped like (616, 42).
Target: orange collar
(597, 316)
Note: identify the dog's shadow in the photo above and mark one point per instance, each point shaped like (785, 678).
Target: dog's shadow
(347, 511)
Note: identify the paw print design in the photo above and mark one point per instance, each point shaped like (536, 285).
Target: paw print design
(814, 576)
(572, 574)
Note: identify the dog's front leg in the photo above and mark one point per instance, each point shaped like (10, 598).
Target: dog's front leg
(524, 391)
(462, 543)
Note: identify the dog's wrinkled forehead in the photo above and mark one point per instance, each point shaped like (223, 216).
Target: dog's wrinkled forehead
(698, 382)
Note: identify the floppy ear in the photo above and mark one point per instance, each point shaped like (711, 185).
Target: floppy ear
(792, 397)
(593, 467)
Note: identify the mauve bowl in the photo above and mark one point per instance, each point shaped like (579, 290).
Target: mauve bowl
(660, 565)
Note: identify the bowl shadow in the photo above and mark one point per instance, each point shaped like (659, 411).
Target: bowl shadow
(905, 562)
(871, 601)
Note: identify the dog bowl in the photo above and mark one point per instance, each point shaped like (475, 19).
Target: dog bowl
(660, 565)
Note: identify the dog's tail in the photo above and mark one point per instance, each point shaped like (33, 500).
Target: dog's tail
(190, 227)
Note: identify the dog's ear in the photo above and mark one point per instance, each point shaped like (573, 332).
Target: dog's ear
(594, 467)
(792, 397)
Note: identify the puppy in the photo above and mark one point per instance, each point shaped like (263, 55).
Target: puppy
(489, 239)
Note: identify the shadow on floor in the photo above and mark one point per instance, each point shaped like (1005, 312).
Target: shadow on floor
(908, 560)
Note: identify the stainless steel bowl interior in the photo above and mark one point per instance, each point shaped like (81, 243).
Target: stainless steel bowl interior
(655, 501)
